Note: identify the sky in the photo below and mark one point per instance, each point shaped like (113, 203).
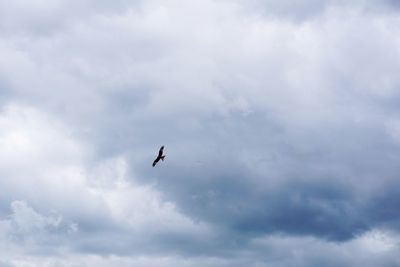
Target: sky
(280, 121)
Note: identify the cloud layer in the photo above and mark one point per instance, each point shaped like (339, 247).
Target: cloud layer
(280, 123)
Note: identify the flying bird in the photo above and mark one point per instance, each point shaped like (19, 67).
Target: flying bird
(160, 156)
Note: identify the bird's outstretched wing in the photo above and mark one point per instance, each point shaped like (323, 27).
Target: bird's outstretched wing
(155, 161)
(161, 151)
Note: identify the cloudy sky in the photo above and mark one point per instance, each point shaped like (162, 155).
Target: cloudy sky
(280, 120)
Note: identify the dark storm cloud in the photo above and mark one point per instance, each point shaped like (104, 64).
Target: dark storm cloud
(383, 207)
(264, 182)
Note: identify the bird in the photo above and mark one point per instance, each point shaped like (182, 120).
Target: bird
(160, 156)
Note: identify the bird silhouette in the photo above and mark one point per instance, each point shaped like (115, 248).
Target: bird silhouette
(160, 156)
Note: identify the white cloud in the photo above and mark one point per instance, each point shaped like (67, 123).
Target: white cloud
(26, 225)
(45, 166)
(374, 248)
(27, 220)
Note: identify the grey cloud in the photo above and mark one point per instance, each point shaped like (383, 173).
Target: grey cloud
(273, 127)
(43, 19)
(300, 10)
(5, 264)
(393, 3)
(303, 11)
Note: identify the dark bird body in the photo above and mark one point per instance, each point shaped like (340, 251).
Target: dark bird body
(160, 156)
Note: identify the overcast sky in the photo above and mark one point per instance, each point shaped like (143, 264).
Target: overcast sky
(280, 120)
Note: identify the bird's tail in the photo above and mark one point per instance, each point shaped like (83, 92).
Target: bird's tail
(162, 158)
